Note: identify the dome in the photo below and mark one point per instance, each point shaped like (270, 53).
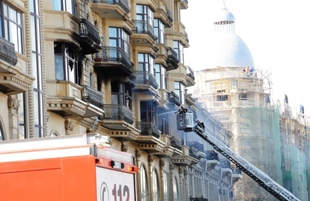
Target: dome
(231, 51)
(223, 15)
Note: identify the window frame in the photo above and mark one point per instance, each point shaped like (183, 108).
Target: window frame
(148, 111)
(161, 76)
(68, 59)
(121, 38)
(159, 31)
(146, 63)
(6, 23)
(123, 92)
(178, 47)
(179, 89)
(144, 188)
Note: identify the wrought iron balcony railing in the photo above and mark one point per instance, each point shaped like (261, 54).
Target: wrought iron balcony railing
(212, 155)
(88, 30)
(176, 143)
(90, 39)
(92, 96)
(7, 51)
(118, 112)
(144, 27)
(148, 128)
(169, 14)
(145, 77)
(174, 98)
(122, 3)
(114, 54)
(236, 171)
(190, 73)
(224, 163)
(172, 60)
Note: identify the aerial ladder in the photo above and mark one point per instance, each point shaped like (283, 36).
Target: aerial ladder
(185, 121)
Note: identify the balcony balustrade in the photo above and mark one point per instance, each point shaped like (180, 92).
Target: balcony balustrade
(172, 59)
(118, 113)
(92, 96)
(148, 128)
(7, 51)
(89, 37)
(176, 143)
(122, 3)
(174, 98)
(143, 27)
(145, 78)
(113, 60)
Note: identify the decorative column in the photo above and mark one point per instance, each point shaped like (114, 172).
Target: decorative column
(13, 105)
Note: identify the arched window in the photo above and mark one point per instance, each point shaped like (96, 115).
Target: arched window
(175, 189)
(155, 186)
(144, 191)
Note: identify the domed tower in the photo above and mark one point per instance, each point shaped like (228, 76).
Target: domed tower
(233, 91)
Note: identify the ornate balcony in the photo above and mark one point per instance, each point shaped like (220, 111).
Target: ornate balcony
(66, 99)
(92, 96)
(143, 27)
(172, 60)
(212, 157)
(117, 9)
(7, 52)
(190, 77)
(236, 173)
(174, 98)
(117, 114)
(164, 14)
(89, 37)
(113, 60)
(147, 128)
(145, 81)
(12, 80)
(225, 165)
(176, 143)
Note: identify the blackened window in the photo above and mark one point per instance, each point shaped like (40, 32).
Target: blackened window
(159, 30)
(161, 76)
(119, 38)
(11, 26)
(222, 96)
(242, 96)
(66, 63)
(148, 111)
(121, 94)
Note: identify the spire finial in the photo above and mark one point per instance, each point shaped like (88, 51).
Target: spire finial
(224, 5)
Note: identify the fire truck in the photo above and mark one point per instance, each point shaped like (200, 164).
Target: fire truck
(75, 167)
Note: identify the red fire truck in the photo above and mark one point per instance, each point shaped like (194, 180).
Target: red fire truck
(76, 167)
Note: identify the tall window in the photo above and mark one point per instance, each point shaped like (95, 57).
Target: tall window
(179, 89)
(179, 49)
(121, 94)
(175, 190)
(66, 63)
(146, 63)
(222, 96)
(155, 186)
(36, 48)
(11, 26)
(64, 5)
(144, 13)
(159, 30)
(148, 111)
(1, 133)
(119, 38)
(166, 186)
(144, 191)
(161, 76)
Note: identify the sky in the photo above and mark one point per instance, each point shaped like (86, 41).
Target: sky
(277, 32)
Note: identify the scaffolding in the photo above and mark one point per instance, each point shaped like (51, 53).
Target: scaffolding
(240, 99)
